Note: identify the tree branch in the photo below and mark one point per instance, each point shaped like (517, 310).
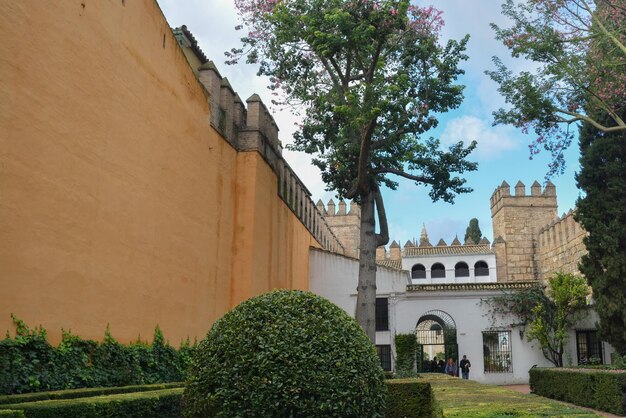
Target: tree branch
(383, 237)
(420, 179)
(621, 126)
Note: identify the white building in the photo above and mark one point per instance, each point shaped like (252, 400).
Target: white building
(446, 314)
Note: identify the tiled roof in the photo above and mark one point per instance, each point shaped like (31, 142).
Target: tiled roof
(192, 40)
(456, 287)
(392, 264)
(448, 250)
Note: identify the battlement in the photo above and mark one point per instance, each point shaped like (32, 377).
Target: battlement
(345, 222)
(341, 209)
(560, 245)
(502, 196)
(251, 127)
(560, 231)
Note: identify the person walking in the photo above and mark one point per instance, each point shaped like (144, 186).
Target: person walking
(465, 367)
(451, 368)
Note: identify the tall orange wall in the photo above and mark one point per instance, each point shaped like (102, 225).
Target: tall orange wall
(119, 203)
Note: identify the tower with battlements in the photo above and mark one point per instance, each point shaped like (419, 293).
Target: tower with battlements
(517, 219)
(345, 224)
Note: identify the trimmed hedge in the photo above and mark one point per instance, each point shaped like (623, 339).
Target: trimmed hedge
(406, 398)
(163, 404)
(5, 413)
(411, 398)
(28, 363)
(597, 389)
(84, 393)
(285, 353)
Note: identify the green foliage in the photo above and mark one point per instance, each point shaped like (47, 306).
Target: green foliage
(28, 363)
(406, 346)
(411, 398)
(285, 353)
(602, 213)
(11, 414)
(473, 231)
(369, 80)
(597, 389)
(162, 403)
(83, 393)
(549, 314)
(579, 48)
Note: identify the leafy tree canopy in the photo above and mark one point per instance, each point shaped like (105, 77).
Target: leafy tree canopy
(579, 47)
(369, 78)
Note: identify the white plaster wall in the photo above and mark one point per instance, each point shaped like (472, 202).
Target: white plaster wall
(449, 261)
(335, 278)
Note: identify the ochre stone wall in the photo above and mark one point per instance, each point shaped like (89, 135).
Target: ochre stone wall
(560, 246)
(120, 203)
(516, 222)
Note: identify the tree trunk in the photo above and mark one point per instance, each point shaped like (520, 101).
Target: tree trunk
(366, 289)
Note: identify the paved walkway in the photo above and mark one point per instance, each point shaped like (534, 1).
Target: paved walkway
(526, 389)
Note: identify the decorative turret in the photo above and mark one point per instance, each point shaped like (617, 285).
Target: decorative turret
(424, 242)
(520, 189)
(442, 243)
(394, 251)
(456, 241)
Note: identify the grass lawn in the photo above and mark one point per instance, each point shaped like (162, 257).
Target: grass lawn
(466, 398)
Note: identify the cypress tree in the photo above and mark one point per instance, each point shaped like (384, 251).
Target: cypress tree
(602, 213)
(473, 231)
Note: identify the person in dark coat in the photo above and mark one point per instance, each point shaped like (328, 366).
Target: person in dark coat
(465, 367)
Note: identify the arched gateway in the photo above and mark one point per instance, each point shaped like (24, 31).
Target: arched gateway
(435, 333)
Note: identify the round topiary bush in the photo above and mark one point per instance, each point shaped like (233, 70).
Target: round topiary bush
(285, 354)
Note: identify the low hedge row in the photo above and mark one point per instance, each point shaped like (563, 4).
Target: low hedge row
(84, 393)
(597, 389)
(411, 398)
(406, 398)
(162, 403)
(29, 363)
(11, 414)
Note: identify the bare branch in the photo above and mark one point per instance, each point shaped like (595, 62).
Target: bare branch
(383, 237)
(420, 179)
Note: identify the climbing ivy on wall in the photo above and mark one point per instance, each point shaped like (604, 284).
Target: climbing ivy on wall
(28, 363)
(406, 345)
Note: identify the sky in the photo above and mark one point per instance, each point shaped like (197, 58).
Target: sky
(502, 153)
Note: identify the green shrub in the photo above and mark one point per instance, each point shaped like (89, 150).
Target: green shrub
(11, 414)
(163, 404)
(411, 398)
(28, 363)
(285, 353)
(83, 393)
(597, 389)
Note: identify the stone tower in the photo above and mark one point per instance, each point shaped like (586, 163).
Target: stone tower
(345, 224)
(517, 220)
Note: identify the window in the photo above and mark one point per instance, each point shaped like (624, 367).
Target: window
(461, 269)
(418, 271)
(497, 352)
(382, 314)
(588, 347)
(384, 352)
(437, 271)
(481, 269)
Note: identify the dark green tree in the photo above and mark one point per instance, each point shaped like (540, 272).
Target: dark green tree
(602, 213)
(473, 231)
(369, 78)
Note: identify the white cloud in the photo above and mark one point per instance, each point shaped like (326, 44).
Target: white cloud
(493, 141)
